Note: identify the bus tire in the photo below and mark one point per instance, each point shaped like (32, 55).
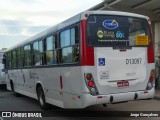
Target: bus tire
(41, 99)
(13, 90)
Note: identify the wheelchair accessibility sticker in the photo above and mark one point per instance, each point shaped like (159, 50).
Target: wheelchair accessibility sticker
(101, 61)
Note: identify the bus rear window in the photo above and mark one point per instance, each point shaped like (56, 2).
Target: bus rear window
(110, 30)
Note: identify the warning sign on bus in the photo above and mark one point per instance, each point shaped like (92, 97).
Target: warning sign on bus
(142, 40)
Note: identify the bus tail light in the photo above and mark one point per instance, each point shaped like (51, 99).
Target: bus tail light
(151, 81)
(89, 76)
(90, 83)
(152, 73)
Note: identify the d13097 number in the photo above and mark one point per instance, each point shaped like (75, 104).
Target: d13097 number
(134, 61)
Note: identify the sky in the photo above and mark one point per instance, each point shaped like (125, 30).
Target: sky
(21, 19)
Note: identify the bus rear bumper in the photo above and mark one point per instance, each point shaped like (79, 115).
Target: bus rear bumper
(115, 98)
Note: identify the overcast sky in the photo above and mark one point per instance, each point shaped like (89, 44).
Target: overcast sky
(21, 19)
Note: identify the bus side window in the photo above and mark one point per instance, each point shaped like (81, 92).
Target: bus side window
(21, 57)
(4, 59)
(49, 50)
(44, 54)
(38, 53)
(19, 61)
(35, 51)
(74, 35)
(14, 58)
(65, 52)
(40, 47)
(55, 49)
(8, 59)
(75, 40)
(76, 53)
(69, 46)
(27, 55)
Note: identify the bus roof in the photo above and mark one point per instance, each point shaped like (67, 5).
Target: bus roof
(71, 21)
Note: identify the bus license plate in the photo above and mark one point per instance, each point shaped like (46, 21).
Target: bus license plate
(123, 83)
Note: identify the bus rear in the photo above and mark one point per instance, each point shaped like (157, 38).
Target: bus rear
(118, 57)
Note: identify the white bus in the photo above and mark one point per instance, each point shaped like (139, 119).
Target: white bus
(95, 57)
(2, 72)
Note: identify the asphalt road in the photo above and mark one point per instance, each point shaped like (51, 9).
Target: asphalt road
(8, 102)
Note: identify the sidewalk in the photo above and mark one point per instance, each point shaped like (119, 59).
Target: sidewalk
(157, 94)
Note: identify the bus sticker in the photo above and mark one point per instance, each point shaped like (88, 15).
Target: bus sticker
(142, 40)
(110, 24)
(109, 34)
(134, 61)
(104, 75)
(101, 61)
(100, 34)
(120, 34)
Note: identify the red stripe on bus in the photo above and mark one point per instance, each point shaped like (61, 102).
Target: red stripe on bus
(150, 50)
(86, 52)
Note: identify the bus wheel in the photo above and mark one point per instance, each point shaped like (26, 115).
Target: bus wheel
(12, 88)
(41, 99)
